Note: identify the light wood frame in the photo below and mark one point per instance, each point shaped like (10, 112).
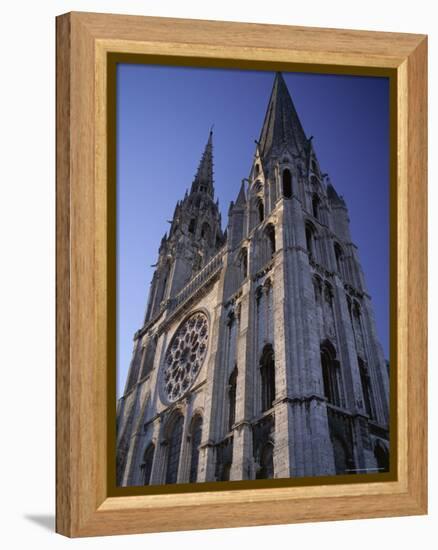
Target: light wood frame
(83, 505)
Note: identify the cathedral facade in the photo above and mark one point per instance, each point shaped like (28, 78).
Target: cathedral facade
(258, 356)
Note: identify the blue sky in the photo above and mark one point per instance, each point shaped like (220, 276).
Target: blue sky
(163, 118)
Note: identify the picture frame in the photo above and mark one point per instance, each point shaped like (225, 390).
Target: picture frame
(88, 45)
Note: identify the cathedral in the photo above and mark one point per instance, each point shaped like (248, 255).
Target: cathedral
(258, 357)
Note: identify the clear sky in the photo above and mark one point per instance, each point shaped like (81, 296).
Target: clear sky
(163, 118)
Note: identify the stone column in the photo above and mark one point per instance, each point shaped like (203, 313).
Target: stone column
(308, 432)
(242, 465)
(242, 432)
(376, 364)
(207, 462)
(136, 448)
(322, 449)
(184, 453)
(352, 384)
(160, 455)
(347, 353)
(215, 384)
(363, 452)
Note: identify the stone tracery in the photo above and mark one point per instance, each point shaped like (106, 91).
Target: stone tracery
(185, 356)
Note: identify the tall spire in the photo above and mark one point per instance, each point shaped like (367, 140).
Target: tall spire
(241, 197)
(203, 181)
(281, 126)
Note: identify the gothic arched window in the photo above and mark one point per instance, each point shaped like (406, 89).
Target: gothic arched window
(356, 309)
(270, 235)
(149, 355)
(258, 294)
(232, 389)
(366, 386)
(316, 201)
(257, 169)
(310, 239)
(266, 462)
(146, 467)
(192, 225)
(267, 372)
(244, 263)
(287, 184)
(261, 210)
(174, 449)
(196, 433)
(330, 374)
(317, 288)
(339, 255)
(328, 293)
(258, 187)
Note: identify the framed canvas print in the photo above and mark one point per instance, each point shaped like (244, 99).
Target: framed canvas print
(241, 274)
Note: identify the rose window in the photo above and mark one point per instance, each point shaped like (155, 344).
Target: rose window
(185, 356)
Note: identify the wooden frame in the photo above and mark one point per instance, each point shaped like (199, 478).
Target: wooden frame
(83, 42)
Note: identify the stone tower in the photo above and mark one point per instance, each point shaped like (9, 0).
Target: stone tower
(259, 355)
(195, 235)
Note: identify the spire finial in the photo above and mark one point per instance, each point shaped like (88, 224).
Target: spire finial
(241, 197)
(203, 181)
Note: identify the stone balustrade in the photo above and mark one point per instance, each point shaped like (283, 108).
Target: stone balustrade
(198, 281)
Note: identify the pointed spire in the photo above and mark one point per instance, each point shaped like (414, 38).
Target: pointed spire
(203, 181)
(241, 197)
(163, 242)
(281, 126)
